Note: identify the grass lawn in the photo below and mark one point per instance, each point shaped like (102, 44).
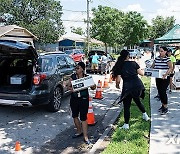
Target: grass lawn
(136, 139)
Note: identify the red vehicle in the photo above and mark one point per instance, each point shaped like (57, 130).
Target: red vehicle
(76, 54)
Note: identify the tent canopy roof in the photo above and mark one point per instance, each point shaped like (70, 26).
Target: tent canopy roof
(172, 36)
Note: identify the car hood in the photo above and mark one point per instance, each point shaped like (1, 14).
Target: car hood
(15, 48)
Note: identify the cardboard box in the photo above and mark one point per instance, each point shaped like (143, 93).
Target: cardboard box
(82, 83)
(18, 79)
(154, 72)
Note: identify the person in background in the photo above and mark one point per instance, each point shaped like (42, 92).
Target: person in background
(163, 62)
(79, 103)
(177, 55)
(95, 61)
(173, 61)
(152, 54)
(104, 61)
(133, 87)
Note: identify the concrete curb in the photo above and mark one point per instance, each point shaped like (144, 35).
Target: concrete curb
(107, 130)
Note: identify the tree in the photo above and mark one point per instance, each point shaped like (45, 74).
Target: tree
(160, 26)
(134, 28)
(105, 25)
(77, 30)
(41, 17)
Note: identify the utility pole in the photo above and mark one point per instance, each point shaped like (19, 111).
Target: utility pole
(88, 21)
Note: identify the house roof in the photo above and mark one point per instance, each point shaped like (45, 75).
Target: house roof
(172, 36)
(6, 29)
(73, 37)
(78, 38)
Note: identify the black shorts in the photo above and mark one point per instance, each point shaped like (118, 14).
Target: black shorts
(79, 106)
(171, 75)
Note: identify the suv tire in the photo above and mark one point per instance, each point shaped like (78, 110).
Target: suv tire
(55, 101)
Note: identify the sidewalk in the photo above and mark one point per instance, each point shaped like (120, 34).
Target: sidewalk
(165, 129)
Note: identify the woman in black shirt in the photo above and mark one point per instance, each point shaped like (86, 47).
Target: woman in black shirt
(79, 103)
(133, 87)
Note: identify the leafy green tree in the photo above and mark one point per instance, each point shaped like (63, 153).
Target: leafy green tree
(134, 28)
(160, 26)
(77, 30)
(41, 17)
(106, 25)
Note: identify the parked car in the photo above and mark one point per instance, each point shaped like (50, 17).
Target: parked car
(99, 53)
(30, 79)
(134, 53)
(76, 54)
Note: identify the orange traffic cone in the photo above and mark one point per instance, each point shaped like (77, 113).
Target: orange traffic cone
(98, 94)
(106, 85)
(90, 116)
(110, 78)
(18, 148)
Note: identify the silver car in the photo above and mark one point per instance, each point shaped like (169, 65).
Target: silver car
(134, 53)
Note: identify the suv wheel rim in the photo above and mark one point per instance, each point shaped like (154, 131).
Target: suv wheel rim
(57, 98)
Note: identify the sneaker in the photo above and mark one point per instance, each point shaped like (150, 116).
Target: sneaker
(125, 126)
(160, 109)
(164, 111)
(170, 92)
(145, 116)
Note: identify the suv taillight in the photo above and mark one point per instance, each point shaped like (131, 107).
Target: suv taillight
(38, 78)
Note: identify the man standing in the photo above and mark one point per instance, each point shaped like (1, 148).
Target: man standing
(177, 55)
(95, 62)
(104, 61)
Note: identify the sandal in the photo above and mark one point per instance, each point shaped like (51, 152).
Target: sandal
(87, 142)
(77, 135)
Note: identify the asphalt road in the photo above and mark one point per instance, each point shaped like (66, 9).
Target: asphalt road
(40, 131)
(37, 128)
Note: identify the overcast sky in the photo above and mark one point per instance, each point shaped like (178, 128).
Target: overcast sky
(148, 8)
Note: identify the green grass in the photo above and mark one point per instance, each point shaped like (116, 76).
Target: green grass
(135, 140)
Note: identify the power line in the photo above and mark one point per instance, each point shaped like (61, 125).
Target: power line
(74, 20)
(73, 11)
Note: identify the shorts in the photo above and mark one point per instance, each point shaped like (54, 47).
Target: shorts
(94, 66)
(79, 106)
(171, 75)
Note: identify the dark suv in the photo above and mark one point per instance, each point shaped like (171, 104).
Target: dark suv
(28, 78)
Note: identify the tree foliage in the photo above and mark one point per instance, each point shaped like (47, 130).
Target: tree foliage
(115, 27)
(134, 28)
(160, 26)
(105, 24)
(77, 30)
(41, 17)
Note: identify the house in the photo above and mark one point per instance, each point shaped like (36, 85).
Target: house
(72, 40)
(14, 32)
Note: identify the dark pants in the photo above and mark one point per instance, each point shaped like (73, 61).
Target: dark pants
(127, 103)
(162, 85)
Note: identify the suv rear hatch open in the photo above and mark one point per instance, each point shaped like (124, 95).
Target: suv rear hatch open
(17, 62)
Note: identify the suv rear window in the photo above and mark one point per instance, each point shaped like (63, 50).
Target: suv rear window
(45, 64)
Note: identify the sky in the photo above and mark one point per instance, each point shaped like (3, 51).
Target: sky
(74, 11)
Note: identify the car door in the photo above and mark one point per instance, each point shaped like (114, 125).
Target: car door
(71, 66)
(62, 71)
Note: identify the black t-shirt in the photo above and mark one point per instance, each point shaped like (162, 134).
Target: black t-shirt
(129, 70)
(83, 93)
(131, 82)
